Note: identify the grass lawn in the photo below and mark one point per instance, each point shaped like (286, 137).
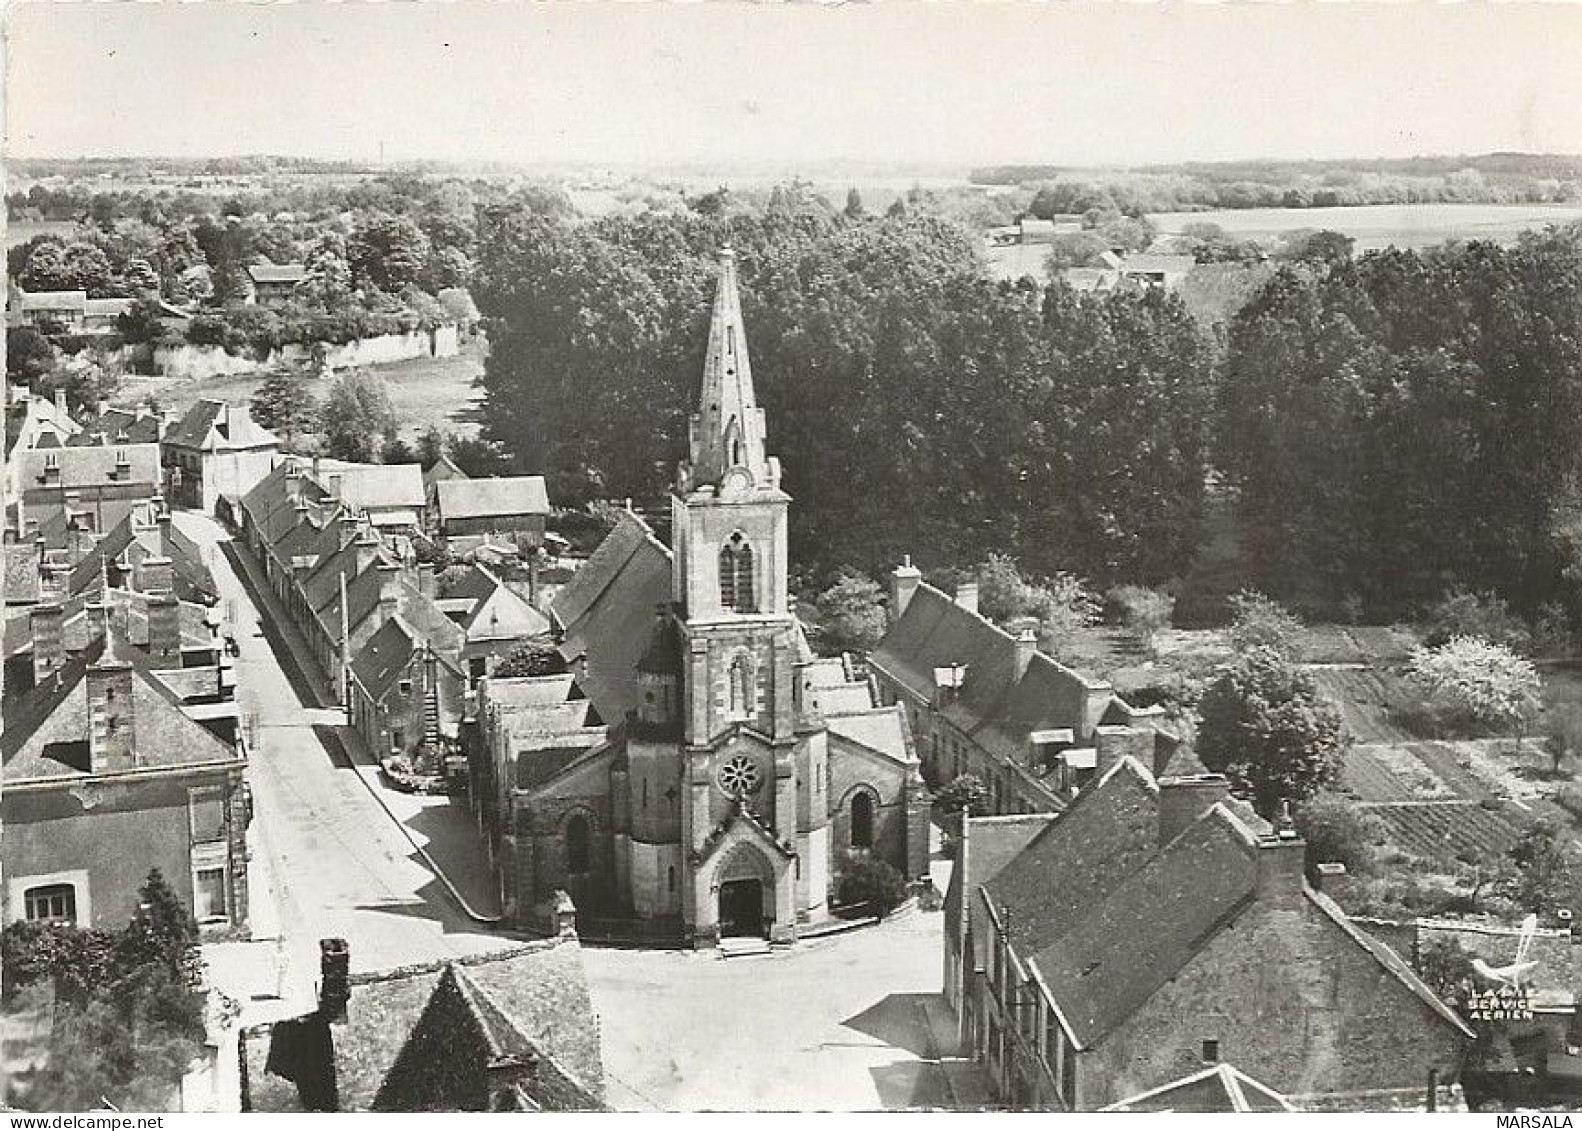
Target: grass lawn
(439, 392)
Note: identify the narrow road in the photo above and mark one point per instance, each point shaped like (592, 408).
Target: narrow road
(336, 864)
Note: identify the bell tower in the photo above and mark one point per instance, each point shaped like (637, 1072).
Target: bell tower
(738, 640)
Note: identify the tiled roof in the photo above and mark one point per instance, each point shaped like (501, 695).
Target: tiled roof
(442, 469)
(491, 498)
(53, 300)
(378, 487)
(607, 611)
(1138, 935)
(383, 659)
(136, 539)
(992, 843)
(536, 993)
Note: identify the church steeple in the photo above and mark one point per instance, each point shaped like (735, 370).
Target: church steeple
(727, 433)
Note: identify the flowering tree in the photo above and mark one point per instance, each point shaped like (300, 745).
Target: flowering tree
(1472, 676)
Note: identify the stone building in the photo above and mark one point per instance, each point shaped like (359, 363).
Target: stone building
(739, 772)
(981, 701)
(216, 451)
(1159, 926)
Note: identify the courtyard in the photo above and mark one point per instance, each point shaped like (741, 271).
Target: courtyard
(850, 1022)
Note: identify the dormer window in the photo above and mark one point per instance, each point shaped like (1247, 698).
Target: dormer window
(736, 575)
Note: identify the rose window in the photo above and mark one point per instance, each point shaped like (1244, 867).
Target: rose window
(739, 776)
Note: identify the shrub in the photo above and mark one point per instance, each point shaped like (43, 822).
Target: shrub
(1143, 611)
(1262, 622)
(1488, 682)
(870, 880)
(1339, 830)
(851, 614)
(1483, 614)
(966, 792)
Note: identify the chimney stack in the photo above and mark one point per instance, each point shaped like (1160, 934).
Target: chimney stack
(366, 547)
(46, 624)
(389, 590)
(112, 732)
(1026, 649)
(967, 595)
(154, 574)
(60, 402)
(1282, 855)
(904, 580)
(1183, 800)
(164, 626)
(335, 989)
(427, 582)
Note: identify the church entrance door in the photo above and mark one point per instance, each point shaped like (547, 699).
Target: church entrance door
(742, 909)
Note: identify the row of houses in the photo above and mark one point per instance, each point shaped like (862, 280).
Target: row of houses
(341, 546)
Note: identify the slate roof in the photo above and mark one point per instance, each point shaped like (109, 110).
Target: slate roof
(491, 498)
(53, 300)
(214, 425)
(117, 425)
(373, 487)
(442, 469)
(607, 612)
(992, 843)
(91, 466)
(46, 728)
(384, 658)
(138, 539)
(536, 992)
(1219, 1088)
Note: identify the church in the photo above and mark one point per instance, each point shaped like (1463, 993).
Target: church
(699, 770)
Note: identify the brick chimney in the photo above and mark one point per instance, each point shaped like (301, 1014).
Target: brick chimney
(46, 624)
(904, 580)
(967, 595)
(335, 990)
(1183, 800)
(350, 529)
(164, 626)
(112, 730)
(154, 574)
(366, 547)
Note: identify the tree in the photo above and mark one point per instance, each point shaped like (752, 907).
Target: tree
(329, 273)
(1563, 733)
(162, 932)
(388, 251)
(1446, 967)
(284, 403)
(1338, 831)
(851, 614)
(356, 415)
(1485, 682)
(1144, 611)
(1483, 614)
(1264, 725)
(1260, 622)
(1539, 876)
(458, 305)
(963, 793)
(1059, 606)
(873, 881)
(854, 208)
(29, 357)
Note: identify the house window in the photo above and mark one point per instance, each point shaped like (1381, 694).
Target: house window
(206, 813)
(671, 878)
(578, 837)
(52, 903)
(736, 575)
(398, 739)
(1210, 1051)
(645, 793)
(862, 820)
(741, 680)
(406, 687)
(208, 894)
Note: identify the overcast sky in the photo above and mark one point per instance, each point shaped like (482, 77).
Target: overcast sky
(893, 81)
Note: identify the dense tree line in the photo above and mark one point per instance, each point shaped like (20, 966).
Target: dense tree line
(919, 407)
(1408, 422)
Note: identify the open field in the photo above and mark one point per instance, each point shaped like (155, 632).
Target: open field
(425, 391)
(1381, 225)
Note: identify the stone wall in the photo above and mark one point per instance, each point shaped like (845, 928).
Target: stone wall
(186, 362)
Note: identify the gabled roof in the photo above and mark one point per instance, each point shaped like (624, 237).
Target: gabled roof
(1219, 1088)
(373, 487)
(502, 615)
(46, 731)
(436, 1020)
(214, 425)
(53, 300)
(117, 426)
(91, 466)
(384, 659)
(442, 469)
(607, 611)
(136, 539)
(992, 843)
(491, 498)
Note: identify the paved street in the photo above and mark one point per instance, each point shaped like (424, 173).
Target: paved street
(831, 1024)
(327, 859)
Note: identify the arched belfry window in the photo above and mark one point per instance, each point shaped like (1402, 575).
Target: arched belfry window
(736, 575)
(862, 820)
(741, 687)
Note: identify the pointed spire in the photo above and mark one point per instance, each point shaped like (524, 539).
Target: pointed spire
(728, 427)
